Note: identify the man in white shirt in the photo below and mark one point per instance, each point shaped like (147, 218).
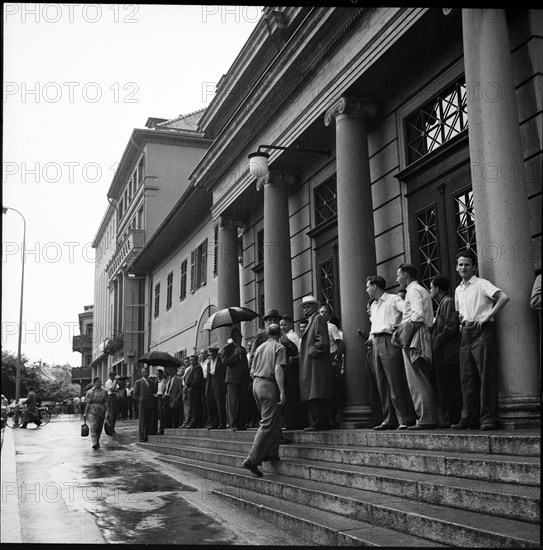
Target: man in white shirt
(477, 302)
(160, 401)
(418, 310)
(386, 312)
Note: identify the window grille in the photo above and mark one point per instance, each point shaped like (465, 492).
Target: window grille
(326, 271)
(437, 122)
(428, 246)
(260, 246)
(465, 221)
(326, 201)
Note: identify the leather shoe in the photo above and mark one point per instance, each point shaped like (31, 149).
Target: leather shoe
(310, 429)
(384, 427)
(250, 465)
(488, 427)
(401, 427)
(422, 427)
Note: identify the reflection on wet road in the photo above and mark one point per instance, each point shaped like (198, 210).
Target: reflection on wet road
(66, 487)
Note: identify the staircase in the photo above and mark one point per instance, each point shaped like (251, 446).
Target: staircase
(365, 488)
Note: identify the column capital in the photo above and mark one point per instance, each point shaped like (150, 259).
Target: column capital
(276, 177)
(351, 107)
(230, 222)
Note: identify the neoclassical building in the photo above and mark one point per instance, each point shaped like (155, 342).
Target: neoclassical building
(391, 135)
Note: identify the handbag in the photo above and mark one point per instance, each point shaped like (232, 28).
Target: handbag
(84, 430)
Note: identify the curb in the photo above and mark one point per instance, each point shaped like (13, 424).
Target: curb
(10, 521)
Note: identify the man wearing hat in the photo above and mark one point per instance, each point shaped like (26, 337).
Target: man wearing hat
(111, 386)
(316, 376)
(196, 385)
(173, 398)
(215, 389)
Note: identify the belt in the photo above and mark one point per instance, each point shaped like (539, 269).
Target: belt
(468, 323)
(382, 334)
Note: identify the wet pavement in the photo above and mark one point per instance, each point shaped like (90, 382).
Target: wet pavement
(69, 493)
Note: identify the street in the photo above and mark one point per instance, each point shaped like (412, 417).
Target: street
(68, 493)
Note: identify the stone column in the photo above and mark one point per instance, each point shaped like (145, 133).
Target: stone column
(277, 254)
(228, 293)
(502, 218)
(356, 241)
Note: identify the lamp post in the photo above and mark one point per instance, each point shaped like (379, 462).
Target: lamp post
(19, 362)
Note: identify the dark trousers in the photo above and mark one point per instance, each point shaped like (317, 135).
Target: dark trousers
(162, 409)
(132, 406)
(145, 425)
(113, 409)
(318, 412)
(479, 376)
(186, 406)
(216, 404)
(174, 414)
(294, 413)
(388, 363)
(449, 391)
(196, 408)
(373, 390)
(236, 403)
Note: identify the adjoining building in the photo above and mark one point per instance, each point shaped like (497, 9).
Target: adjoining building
(82, 344)
(151, 177)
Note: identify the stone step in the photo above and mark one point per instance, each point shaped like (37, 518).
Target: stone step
(484, 467)
(316, 526)
(435, 523)
(519, 443)
(499, 499)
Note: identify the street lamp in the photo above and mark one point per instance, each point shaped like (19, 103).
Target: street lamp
(19, 362)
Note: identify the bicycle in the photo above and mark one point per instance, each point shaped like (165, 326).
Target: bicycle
(14, 417)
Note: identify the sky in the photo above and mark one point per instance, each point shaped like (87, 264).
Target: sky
(78, 78)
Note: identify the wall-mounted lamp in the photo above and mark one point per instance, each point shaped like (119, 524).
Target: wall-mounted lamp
(258, 162)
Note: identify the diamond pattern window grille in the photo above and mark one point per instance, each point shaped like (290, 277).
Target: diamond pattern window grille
(326, 270)
(465, 221)
(326, 201)
(437, 122)
(428, 246)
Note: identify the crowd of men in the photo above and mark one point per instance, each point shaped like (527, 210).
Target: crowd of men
(425, 369)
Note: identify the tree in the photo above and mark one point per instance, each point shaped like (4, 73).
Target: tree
(47, 390)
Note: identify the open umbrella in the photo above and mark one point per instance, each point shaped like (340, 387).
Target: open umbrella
(159, 358)
(229, 316)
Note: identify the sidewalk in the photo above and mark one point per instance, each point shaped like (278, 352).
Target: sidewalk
(11, 517)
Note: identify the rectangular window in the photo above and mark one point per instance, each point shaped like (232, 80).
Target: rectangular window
(183, 283)
(198, 267)
(157, 300)
(169, 291)
(260, 246)
(140, 170)
(215, 251)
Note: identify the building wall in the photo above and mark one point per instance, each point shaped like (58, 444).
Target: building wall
(168, 169)
(175, 330)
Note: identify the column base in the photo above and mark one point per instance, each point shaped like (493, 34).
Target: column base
(354, 417)
(517, 413)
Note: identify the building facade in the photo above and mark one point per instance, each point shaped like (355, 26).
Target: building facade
(393, 135)
(151, 177)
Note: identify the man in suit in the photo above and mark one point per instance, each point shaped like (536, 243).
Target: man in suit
(195, 383)
(316, 375)
(174, 397)
(144, 390)
(186, 393)
(215, 389)
(237, 380)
